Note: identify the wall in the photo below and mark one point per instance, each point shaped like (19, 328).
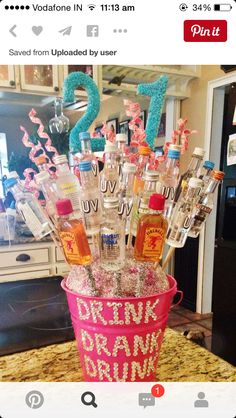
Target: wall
(194, 108)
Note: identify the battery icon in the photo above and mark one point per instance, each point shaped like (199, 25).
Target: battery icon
(222, 7)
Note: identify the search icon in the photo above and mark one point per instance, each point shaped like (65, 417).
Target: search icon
(90, 401)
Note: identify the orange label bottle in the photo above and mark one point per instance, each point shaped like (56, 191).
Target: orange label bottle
(72, 235)
(151, 232)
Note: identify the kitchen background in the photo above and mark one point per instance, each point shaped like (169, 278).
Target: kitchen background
(202, 94)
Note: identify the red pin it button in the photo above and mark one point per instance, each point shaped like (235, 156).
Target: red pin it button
(205, 30)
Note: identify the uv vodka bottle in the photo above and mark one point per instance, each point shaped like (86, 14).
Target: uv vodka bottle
(112, 237)
(183, 215)
(87, 154)
(90, 199)
(109, 177)
(126, 193)
(168, 180)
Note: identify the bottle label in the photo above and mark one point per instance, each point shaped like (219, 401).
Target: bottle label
(94, 169)
(203, 208)
(108, 185)
(89, 206)
(168, 192)
(153, 242)
(125, 209)
(110, 240)
(32, 221)
(71, 192)
(69, 245)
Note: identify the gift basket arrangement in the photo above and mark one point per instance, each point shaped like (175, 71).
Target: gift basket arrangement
(113, 226)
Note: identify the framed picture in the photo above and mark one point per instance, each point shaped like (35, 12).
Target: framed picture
(113, 125)
(143, 116)
(124, 129)
(98, 131)
(162, 127)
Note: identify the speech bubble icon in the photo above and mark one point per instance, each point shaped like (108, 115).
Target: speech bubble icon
(146, 399)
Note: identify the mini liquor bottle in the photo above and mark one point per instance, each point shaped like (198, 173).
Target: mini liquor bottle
(30, 209)
(72, 235)
(112, 237)
(151, 232)
(183, 214)
(205, 203)
(144, 155)
(67, 183)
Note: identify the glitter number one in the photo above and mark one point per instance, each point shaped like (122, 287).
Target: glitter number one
(156, 91)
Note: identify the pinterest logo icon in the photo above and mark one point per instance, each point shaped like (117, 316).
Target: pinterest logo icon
(34, 399)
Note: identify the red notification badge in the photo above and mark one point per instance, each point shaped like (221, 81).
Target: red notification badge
(157, 391)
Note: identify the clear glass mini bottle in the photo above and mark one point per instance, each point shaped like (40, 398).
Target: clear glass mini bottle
(144, 154)
(72, 235)
(126, 193)
(141, 202)
(50, 191)
(205, 203)
(67, 183)
(109, 176)
(30, 209)
(183, 215)
(121, 141)
(86, 155)
(112, 237)
(151, 232)
(192, 170)
(205, 172)
(168, 180)
(90, 199)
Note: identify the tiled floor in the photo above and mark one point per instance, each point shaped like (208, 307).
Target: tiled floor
(181, 319)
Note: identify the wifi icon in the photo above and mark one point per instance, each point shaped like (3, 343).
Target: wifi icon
(91, 6)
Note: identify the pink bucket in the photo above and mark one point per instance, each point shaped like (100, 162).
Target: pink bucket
(119, 340)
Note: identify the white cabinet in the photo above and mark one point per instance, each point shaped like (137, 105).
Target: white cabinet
(31, 261)
(39, 78)
(7, 76)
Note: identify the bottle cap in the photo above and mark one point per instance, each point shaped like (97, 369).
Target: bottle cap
(41, 177)
(129, 168)
(83, 136)
(209, 164)
(64, 207)
(151, 175)
(217, 175)
(40, 160)
(195, 182)
(199, 152)
(85, 165)
(121, 138)
(111, 202)
(13, 175)
(60, 159)
(157, 201)
(109, 147)
(10, 183)
(175, 147)
(172, 153)
(144, 150)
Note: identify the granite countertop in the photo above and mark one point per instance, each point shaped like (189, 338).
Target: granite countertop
(180, 361)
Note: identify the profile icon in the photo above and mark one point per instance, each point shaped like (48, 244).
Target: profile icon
(201, 402)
